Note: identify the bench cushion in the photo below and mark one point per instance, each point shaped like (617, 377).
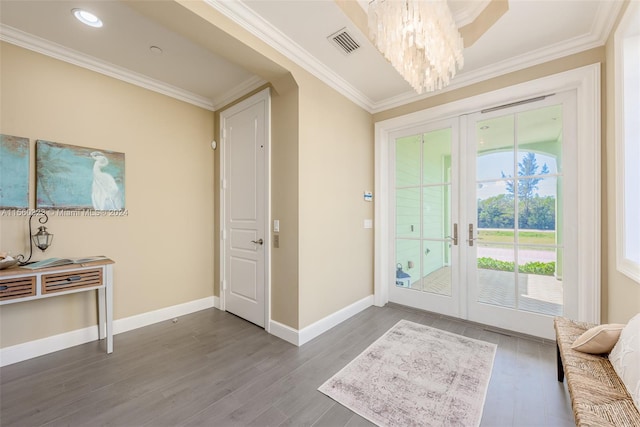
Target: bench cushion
(599, 339)
(598, 396)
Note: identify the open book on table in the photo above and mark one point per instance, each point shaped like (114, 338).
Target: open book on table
(55, 262)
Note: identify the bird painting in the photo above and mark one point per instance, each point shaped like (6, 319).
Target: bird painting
(75, 178)
(105, 194)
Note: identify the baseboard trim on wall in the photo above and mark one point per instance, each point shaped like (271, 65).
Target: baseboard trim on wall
(323, 325)
(284, 332)
(300, 337)
(160, 315)
(31, 349)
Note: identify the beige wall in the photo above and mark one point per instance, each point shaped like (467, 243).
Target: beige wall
(622, 294)
(336, 167)
(284, 202)
(169, 190)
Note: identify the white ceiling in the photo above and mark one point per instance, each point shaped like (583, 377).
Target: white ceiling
(530, 32)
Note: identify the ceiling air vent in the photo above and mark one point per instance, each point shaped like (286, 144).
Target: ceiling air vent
(344, 41)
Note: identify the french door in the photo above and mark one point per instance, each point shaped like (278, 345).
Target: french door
(425, 216)
(484, 215)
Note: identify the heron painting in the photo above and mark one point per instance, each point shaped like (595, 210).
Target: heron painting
(70, 177)
(14, 172)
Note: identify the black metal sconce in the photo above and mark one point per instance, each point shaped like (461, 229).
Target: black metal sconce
(42, 239)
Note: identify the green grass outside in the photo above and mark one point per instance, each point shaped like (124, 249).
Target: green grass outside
(524, 237)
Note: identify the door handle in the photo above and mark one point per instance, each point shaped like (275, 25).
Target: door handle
(455, 234)
(258, 242)
(454, 239)
(471, 238)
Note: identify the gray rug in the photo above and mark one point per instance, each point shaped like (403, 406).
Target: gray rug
(415, 375)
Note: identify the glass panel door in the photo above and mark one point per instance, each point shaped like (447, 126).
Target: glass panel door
(515, 221)
(425, 255)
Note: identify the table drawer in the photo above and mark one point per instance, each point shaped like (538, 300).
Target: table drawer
(18, 287)
(58, 282)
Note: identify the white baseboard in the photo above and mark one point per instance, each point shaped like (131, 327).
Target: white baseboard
(299, 337)
(284, 332)
(31, 349)
(160, 315)
(323, 325)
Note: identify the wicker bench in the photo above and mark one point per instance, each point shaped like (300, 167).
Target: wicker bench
(598, 396)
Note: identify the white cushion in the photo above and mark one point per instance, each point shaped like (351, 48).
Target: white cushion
(599, 339)
(625, 358)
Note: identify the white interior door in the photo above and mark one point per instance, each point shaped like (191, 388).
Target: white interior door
(245, 138)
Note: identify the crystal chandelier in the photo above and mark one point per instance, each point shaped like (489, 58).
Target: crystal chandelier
(419, 38)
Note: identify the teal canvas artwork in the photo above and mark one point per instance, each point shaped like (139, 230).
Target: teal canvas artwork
(70, 177)
(14, 172)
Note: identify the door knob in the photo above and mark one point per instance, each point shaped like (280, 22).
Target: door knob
(258, 242)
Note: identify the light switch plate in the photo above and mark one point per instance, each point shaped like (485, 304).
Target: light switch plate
(276, 225)
(368, 223)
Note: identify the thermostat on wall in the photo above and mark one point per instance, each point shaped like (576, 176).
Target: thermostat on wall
(368, 196)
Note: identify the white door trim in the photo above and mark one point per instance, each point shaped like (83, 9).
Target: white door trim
(586, 82)
(262, 96)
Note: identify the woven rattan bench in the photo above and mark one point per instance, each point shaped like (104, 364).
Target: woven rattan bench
(598, 396)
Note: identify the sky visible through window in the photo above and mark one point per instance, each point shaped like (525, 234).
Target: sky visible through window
(491, 165)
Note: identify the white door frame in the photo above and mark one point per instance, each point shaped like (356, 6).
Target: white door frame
(586, 82)
(262, 96)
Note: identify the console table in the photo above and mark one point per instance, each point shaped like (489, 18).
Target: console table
(23, 284)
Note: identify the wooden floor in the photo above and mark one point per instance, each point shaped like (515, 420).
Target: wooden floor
(214, 369)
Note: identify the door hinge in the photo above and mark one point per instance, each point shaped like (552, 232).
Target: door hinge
(223, 284)
(223, 183)
(223, 234)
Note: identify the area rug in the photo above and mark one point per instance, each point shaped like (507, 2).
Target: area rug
(415, 375)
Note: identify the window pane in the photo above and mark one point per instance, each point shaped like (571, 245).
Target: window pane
(496, 275)
(540, 135)
(408, 212)
(408, 264)
(408, 161)
(436, 211)
(540, 280)
(437, 267)
(437, 156)
(495, 148)
(537, 203)
(495, 212)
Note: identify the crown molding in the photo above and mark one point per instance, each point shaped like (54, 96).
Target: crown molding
(241, 14)
(238, 91)
(244, 16)
(57, 51)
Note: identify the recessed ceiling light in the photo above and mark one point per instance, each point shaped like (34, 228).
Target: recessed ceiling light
(155, 50)
(484, 127)
(87, 18)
